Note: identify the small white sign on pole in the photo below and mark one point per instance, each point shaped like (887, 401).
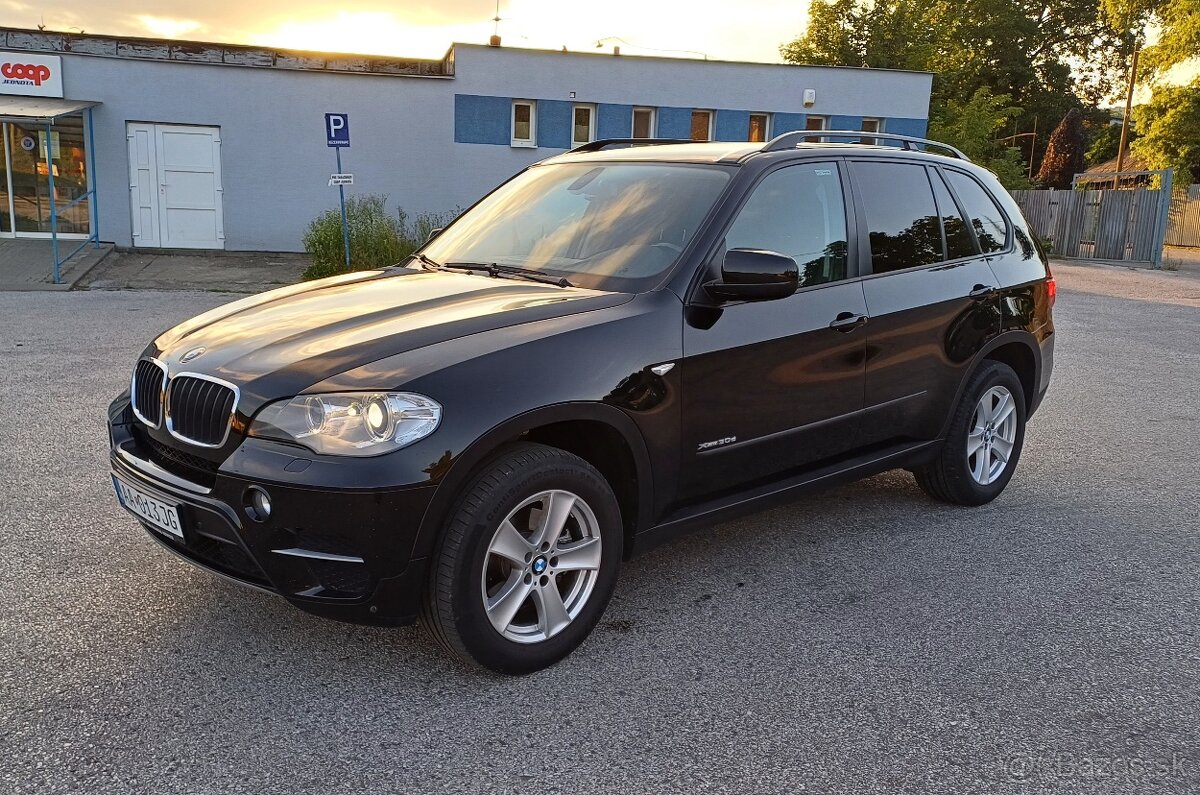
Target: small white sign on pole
(341, 179)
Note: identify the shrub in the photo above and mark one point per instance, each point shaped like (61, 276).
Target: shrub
(377, 239)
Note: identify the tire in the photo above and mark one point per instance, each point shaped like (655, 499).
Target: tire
(478, 561)
(964, 478)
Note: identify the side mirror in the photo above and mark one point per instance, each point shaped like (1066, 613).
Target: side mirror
(433, 233)
(752, 275)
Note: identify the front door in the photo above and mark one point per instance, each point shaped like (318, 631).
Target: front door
(770, 386)
(175, 186)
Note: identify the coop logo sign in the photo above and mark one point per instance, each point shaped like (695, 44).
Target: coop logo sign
(30, 75)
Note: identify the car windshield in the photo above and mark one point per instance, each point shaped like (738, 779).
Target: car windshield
(605, 226)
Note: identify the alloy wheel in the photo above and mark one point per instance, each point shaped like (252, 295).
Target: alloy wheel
(993, 435)
(541, 566)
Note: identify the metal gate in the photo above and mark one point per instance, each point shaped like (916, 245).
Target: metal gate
(1122, 224)
(1183, 226)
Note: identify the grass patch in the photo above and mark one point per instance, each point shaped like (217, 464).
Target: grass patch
(377, 238)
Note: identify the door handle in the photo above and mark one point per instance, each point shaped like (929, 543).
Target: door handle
(981, 291)
(847, 321)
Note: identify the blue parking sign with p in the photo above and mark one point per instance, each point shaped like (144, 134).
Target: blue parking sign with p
(337, 129)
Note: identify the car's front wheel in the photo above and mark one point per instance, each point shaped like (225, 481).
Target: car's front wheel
(527, 563)
(984, 441)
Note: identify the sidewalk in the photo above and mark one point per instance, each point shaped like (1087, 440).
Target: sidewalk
(237, 272)
(27, 264)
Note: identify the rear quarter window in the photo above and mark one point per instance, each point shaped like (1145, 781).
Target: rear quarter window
(986, 217)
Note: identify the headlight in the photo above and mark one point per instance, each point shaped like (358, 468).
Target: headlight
(350, 423)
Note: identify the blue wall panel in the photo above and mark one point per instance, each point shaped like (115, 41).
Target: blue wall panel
(675, 123)
(787, 122)
(845, 123)
(732, 125)
(614, 121)
(482, 120)
(554, 123)
(917, 127)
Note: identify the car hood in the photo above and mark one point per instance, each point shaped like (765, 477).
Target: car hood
(279, 343)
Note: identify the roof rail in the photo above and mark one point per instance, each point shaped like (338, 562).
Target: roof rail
(789, 140)
(601, 144)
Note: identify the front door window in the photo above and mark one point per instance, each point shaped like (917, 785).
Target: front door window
(33, 154)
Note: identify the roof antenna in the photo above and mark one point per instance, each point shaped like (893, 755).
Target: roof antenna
(495, 39)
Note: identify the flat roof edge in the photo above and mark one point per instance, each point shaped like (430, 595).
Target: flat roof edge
(136, 48)
(608, 54)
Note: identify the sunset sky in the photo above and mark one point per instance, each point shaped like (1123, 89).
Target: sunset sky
(426, 29)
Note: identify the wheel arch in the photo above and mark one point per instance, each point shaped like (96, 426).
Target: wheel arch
(602, 435)
(1017, 349)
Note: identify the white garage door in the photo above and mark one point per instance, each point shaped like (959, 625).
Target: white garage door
(175, 186)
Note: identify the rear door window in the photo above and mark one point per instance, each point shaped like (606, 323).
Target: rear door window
(959, 243)
(989, 222)
(901, 217)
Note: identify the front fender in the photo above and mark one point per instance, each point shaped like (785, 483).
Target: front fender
(466, 464)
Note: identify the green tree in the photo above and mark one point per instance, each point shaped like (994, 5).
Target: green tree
(1064, 154)
(1177, 23)
(1169, 130)
(1047, 57)
(1105, 142)
(887, 34)
(973, 126)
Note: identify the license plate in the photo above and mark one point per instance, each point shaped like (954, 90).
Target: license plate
(155, 511)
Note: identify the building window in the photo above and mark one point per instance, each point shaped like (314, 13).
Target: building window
(524, 122)
(814, 123)
(643, 122)
(760, 124)
(702, 125)
(583, 125)
(871, 125)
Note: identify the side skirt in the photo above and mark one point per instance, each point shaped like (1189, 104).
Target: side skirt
(781, 492)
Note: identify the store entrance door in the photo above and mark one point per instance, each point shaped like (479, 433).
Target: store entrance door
(175, 186)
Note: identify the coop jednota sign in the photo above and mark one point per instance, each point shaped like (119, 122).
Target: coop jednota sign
(30, 75)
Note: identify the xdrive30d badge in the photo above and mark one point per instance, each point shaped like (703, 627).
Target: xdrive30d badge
(620, 343)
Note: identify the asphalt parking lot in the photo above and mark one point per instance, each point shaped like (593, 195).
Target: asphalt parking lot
(864, 640)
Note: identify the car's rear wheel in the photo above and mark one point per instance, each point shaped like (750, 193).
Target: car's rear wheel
(527, 563)
(984, 442)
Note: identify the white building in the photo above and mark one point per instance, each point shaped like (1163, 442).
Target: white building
(211, 146)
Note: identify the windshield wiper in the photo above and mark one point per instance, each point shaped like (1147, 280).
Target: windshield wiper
(433, 265)
(496, 271)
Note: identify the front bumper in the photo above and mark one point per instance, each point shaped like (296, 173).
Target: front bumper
(343, 553)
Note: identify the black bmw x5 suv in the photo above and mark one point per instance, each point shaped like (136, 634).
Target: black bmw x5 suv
(618, 344)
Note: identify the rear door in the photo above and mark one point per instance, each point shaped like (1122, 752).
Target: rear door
(769, 386)
(930, 294)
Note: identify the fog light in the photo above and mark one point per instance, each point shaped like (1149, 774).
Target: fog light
(258, 504)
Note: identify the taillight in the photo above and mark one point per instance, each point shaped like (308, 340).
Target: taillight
(1051, 290)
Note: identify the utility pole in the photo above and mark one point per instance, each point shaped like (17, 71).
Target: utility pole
(1128, 108)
